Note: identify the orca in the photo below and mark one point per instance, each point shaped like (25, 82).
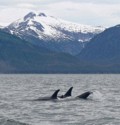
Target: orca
(53, 97)
(84, 95)
(67, 94)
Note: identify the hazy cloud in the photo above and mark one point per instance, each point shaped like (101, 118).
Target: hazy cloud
(93, 12)
(88, 13)
(96, 1)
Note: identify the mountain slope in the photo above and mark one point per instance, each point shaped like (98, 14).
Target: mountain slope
(53, 33)
(19, 56)
(103, 50)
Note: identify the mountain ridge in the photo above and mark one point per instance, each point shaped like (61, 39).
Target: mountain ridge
(101, 55)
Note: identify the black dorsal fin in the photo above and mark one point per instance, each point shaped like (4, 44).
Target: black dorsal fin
(68, 93)
(54, 96)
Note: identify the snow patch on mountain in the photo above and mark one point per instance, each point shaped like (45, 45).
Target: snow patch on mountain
(48, 27)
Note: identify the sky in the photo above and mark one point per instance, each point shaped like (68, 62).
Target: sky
(91, 12)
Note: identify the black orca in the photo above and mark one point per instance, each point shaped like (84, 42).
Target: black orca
(53, 97)
(67, 94)
(84, 95)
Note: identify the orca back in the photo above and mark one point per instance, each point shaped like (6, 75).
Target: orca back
(84, 95)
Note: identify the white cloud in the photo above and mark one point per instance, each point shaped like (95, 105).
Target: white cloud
(88, 13)
(26, 5)
(9, 15)
(93, 12)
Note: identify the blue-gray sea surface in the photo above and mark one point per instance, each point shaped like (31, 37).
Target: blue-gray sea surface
(18, 91)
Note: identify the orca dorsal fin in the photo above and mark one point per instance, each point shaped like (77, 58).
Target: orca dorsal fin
(68, 93)
(54, 96)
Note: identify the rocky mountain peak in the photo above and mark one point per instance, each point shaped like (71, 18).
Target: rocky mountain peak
(30, 15)
(42, 14)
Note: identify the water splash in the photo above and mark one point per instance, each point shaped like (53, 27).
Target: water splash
(97, 95)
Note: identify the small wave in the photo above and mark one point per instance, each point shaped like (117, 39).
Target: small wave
(102, 121)
(4, 121)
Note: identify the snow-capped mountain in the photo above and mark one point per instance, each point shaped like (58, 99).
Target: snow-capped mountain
(53, 33)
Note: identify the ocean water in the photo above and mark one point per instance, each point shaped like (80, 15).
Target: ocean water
(17, 93)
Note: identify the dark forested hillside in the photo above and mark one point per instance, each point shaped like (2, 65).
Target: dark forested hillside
(103, 51)
(17, 55)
